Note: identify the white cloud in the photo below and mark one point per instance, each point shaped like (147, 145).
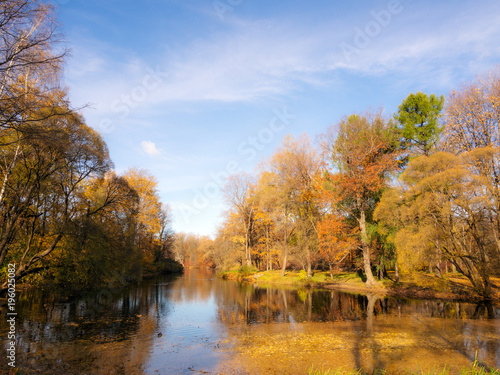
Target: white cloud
(150, 148)
(259, 60)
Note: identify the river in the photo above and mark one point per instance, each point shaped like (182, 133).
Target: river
(197, 323)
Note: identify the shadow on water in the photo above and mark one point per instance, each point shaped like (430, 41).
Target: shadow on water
(176, 324)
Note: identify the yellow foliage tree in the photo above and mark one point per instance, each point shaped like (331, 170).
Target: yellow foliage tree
(149, 213)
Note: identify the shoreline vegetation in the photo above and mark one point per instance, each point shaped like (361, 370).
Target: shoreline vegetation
(452, 286)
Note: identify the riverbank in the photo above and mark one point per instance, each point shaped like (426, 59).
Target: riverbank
(452, 286)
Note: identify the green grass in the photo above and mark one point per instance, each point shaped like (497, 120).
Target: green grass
(291, 278)
(299, 278)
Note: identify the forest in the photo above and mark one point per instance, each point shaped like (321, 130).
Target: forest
(414, 191)
(67, 219)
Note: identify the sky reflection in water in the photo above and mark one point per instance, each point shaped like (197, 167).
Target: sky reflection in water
(196, 322)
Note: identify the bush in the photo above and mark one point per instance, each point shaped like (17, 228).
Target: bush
(302, 275)
(247, 270)
(167, 266)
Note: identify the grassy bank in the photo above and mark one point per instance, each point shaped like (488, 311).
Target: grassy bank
(418, 285)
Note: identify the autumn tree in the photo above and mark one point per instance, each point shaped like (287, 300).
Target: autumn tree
(239, 195)
(149, 213)
(265, 227)
(99, 247)
(362, 155)
(337, 240)
(292, 169)
(30, 65)
(193, 250)
(444, 208)
(473, 115)
(46, 187)
(226, 252)
(31, 55)
(167, 234)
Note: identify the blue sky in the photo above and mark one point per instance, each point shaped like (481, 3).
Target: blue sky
(192, 90)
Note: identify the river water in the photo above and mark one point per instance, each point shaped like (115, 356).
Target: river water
(197, 323)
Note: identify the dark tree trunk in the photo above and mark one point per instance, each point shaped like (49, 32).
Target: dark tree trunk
(370, 280)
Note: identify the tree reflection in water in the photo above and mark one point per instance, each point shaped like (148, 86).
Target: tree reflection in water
(208, 324)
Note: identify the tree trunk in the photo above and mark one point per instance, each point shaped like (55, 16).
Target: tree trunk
(486, 286)
(381, 269)
(9, 172)
(269, 265)
(331, 270)
(396, 270)
(248, 258)
(308, 263)
(366, 250)
(284, 261)
(438, 271)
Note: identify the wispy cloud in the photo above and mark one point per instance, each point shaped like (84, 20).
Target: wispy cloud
(150, 148)
(265, 59)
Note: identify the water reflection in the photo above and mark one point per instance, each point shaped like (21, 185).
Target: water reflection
(336, 329)
(245, 303)
(197, 322)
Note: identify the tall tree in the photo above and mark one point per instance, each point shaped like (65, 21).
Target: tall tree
(293, 167)
(149, 214)
(362, 151)
(239, 194)
(30, 63)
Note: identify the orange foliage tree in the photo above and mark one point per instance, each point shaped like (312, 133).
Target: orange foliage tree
(337, 239)
(361, 149)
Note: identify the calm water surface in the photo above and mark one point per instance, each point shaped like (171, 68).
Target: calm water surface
(197, 323)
